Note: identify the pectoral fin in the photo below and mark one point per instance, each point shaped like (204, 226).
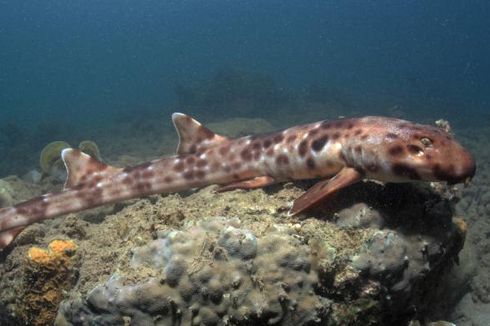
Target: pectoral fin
(254, 183)
(6, 237)
(325, 189)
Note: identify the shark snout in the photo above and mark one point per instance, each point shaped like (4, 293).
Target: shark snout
(467, 168)
(459, 169)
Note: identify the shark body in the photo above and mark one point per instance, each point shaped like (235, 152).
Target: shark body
(339, 152)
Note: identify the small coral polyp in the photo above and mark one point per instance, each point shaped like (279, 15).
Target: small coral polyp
(58, 250)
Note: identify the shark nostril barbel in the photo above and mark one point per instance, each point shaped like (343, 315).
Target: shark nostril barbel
(339, 152)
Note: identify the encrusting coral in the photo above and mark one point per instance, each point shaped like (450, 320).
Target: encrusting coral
(48, 273)
(57, 253)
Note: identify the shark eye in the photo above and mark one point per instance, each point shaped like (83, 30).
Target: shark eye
(426, 141)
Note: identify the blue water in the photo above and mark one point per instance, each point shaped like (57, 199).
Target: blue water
(67, 67)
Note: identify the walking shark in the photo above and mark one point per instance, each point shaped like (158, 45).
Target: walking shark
(339, 153)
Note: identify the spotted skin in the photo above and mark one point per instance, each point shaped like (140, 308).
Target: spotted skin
(379, 148)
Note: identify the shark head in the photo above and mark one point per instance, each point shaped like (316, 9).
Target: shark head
(428, 153)
(412, 151)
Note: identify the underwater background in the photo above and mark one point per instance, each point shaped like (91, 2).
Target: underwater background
(114, 71)
(69, 68)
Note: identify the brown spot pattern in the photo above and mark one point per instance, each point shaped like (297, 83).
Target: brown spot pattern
(127, 180)
(179, 167)
(391, 135)
(310, 163)
(405, 171)
(278, 138)
(396, 150)
(34, 206)
(282, 159)
(189, 174)
(147, 174)
(291, 138)
(215, 166)
(326, 125)
(313, 133)
(302, 148)
(246, 154)
(143, 187)
(206, 132)
(201, 163)
(200, 174)
(224, 149)
(318, 144)
(267, 143)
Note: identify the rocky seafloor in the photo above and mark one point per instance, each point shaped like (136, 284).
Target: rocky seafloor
(376, 255)
(474, 307)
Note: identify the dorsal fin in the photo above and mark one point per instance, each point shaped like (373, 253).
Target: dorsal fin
(83, 169)
(193, 136)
